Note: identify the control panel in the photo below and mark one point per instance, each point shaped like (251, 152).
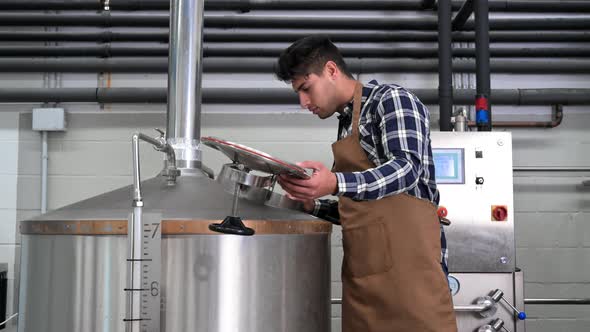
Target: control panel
(473, 171)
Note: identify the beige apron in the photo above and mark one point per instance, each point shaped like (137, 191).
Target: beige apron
(392, 279)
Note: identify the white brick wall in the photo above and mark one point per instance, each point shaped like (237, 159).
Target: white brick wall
(552, 209)
(8, 188)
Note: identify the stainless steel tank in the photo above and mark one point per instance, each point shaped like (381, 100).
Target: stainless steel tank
(74, 264)
(75, 260)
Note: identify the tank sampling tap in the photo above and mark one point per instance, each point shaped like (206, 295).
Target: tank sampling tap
(170, 171)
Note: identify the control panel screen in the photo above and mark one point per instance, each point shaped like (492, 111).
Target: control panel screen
(449, 166)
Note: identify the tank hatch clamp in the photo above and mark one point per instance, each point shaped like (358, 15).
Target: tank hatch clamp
(233, 224)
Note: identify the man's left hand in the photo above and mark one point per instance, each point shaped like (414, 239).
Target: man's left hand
(322, 182)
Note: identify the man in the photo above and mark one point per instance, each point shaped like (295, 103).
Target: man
(393, 272)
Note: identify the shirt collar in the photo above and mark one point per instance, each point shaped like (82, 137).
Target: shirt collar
(347, 110)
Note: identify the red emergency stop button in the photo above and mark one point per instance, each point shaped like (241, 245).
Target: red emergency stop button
(499, 212)
(442, 212)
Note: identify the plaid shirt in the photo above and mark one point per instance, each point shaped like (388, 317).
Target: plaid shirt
(394, 132)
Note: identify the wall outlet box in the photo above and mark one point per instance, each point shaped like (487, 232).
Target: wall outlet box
(49, 119)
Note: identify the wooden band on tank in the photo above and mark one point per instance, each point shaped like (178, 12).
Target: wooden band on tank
(169, 227)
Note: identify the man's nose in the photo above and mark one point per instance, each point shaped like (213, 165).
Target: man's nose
(303, 100)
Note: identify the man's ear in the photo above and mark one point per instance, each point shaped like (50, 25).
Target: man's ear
(332, 69)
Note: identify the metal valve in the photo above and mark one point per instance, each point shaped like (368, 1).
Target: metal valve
(486, 306)
(496, 325)
(170, 171)
(499, 295)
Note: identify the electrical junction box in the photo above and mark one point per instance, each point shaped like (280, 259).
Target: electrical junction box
(49, 119)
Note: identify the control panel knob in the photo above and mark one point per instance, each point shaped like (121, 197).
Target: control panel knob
(479, 180)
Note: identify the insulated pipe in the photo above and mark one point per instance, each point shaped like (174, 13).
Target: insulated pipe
(290, 35)
(275, 96)
(108, 19)
(445, 64)
(250, 49)
(246, 5)
(185, 71)
(242, 5)
(574, 6)
(266, 65)
(44, 171)
(482, 65)
(102, 36)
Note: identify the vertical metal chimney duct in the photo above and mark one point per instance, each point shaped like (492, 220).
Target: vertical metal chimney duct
(184, 82)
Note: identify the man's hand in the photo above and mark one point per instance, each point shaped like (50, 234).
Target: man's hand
(322, 182)
(309, 206)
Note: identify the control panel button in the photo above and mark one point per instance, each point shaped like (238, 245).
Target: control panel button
(442, 212)
(499, 212)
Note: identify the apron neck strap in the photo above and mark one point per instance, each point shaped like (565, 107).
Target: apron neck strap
(356, 108)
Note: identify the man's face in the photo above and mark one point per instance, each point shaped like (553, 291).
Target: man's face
(317, 93)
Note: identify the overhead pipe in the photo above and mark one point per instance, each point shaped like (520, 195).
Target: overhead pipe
(291, 35)
(108, 19)
(247, 5)
(99, 36)
(242, 5)
(462, 15)
(573, 6)
(356, 50)
(518, 97)
(555, 122)
(266, 65)
(483, 106)
(445, 64)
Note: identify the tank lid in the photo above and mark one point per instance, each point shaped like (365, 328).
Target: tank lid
(254, 159)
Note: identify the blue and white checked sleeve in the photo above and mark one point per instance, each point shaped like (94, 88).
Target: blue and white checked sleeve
(327, 209)
(403, 125)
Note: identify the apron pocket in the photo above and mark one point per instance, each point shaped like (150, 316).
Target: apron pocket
(366, 250)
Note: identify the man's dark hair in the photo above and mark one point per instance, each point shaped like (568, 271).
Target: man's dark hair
(308, 55)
